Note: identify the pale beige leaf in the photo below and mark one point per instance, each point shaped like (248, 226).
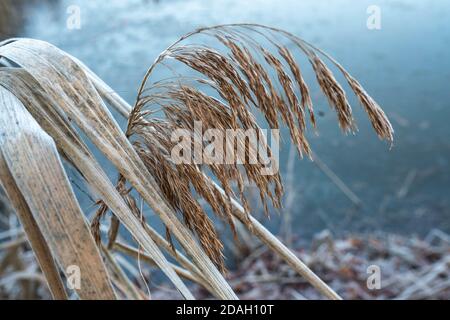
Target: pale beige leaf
(33, 162)
(45, 111)
(37, 241)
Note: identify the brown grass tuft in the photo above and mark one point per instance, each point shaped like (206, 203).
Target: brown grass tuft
(245, 75)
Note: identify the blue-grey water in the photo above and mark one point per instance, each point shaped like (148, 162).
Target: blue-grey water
(405, 66)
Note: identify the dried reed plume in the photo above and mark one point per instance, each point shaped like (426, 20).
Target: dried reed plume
(245, 76)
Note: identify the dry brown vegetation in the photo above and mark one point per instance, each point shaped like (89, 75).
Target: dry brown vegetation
(48, 97)
(411, 268)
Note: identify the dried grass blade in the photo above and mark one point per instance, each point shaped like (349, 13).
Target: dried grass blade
(37, 241)
(32, 160)
(47, 112)
(133, 252)
(119, 278)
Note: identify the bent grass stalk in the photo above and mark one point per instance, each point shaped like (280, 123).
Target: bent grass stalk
(245, 70)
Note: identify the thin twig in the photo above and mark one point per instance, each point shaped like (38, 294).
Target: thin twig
(335, 179)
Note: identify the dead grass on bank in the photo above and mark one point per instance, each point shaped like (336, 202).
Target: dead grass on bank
(411, 268)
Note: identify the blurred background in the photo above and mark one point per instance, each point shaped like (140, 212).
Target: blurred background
(358, 187)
